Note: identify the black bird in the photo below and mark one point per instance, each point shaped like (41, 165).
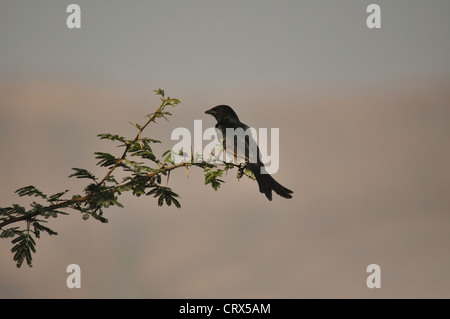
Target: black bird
(227, 118)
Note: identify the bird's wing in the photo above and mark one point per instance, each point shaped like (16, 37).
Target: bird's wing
(242, 148)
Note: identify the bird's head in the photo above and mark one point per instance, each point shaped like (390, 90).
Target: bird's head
(222, 112)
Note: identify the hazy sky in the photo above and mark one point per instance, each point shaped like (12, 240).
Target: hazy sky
(310, 42)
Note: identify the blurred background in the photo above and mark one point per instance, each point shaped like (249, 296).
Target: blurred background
(364, 124)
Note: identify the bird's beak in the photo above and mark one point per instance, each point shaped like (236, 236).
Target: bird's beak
(211, 111)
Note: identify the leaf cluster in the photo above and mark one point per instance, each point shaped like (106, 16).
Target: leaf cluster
(144, 174)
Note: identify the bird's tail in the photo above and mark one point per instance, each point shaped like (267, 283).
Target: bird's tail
(267, 183)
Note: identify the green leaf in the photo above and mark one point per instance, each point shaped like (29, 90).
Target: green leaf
(169, 157)
(106, 159)
(10, 232)
(176, 202)
(19, 209)
(7, 211)
(149, 140)
(24, 246)
(100, 218)
(165, 195)
(159, 92)
(39, 227)
(93, 187)
(112, 137)
(211, 177)
(57, 196)
(82, 173)
(245, 171)
(30, 191)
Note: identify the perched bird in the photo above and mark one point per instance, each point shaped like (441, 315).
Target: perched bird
(227, 118)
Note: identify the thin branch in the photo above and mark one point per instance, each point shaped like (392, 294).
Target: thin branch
(127, 147)
(74, 200)
(44, 210)
(86, 198)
